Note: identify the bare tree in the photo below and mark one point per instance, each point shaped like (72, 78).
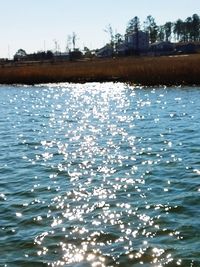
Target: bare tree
(109, 30)
(69, 43)
(74, 39)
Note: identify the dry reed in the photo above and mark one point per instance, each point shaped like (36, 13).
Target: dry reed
(147, 71)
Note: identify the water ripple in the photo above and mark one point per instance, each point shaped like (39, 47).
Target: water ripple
(99, 175)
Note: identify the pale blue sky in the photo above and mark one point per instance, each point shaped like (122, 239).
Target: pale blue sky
(34, 24)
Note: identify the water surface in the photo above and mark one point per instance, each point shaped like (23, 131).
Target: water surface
(99, 175)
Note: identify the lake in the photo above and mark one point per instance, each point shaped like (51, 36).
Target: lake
(99, 175)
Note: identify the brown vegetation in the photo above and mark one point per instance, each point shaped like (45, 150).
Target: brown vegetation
(147, 71)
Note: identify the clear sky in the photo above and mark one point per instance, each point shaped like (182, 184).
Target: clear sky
(34, 25)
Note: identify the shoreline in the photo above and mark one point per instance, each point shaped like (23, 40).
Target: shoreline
(145, 71)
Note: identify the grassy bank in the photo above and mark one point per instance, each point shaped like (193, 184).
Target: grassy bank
(147, 71)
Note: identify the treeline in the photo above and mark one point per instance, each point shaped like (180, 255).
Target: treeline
(179, 31)
(187, 30)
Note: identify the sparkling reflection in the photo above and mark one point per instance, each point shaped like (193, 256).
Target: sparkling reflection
(97, 211)
(103, 190)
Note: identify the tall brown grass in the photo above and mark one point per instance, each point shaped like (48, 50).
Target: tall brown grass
(147, 71)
